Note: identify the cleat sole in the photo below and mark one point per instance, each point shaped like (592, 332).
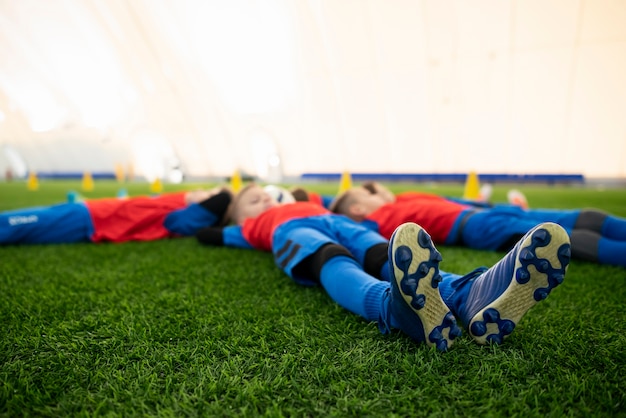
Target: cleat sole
(415, 262)
(540, 266)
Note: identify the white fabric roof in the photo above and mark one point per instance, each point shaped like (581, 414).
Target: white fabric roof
(396, 86)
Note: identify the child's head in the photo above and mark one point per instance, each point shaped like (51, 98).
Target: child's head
(250, 202)
(357, 203)
(375, 187)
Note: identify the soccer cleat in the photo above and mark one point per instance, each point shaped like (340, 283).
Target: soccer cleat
(415, 302)
(500, 296)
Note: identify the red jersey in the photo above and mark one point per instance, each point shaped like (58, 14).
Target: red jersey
(315, 198)
(260, 230)
(434, 213)
(133, 219)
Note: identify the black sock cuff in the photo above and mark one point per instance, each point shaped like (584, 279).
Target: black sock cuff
(210, 235)
(585, 244)
(375, 258)
(590, 219)
(312, 265)
(218, 204)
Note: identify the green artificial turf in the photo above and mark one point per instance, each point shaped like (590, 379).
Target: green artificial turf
(172, 328)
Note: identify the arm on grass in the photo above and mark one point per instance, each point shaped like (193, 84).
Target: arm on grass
(208, 212)
(229, 236)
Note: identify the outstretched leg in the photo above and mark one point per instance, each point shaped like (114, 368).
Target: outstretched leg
(499, 297)
(415, 303)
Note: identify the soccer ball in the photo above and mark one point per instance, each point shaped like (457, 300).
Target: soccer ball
(281, 194)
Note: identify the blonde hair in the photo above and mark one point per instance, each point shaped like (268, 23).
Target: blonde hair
(341, 204)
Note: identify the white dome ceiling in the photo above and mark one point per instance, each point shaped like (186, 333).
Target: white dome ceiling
(403, 86)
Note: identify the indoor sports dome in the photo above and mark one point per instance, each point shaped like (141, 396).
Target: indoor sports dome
(174, 89)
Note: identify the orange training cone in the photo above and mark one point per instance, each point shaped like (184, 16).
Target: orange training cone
(472, 186)
(346, 182)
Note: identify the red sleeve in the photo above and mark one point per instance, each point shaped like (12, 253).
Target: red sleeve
(315, 198)
(404, 196)
(258, 231)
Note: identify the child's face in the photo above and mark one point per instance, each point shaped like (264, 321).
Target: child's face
(252, 203)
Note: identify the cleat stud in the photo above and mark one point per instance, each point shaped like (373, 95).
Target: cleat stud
(455, 332)
(403, 255)
(526, 254)
(418, 302)
(507, 327)
(435, 335)
(423, 239)
(423, 269)
(491, 315)
(442, 345)
(478, 328)
(494, 339)
(522, 275)
(543, 266)
(558, 278)
(542, 236)
(540, 294)
(437, 257)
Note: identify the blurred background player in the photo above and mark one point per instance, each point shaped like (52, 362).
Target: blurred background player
(143, 218)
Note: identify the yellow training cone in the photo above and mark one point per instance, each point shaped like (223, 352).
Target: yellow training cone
(120, 176)
(156, 186)
(346, 182)
(472, 186)
(87, 182)
(235, 182)
(33, 183)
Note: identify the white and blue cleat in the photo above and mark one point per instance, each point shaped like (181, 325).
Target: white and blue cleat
(502, 295)
(415, 303)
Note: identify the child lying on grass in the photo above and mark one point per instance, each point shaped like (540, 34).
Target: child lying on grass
(514, 196)
(595, 236)
(397, 283)
(116, 220)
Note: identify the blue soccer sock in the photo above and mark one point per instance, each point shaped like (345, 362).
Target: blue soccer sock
(454, 289)
(347, 284)
(385, 273)
(612, 252)
(614, 228)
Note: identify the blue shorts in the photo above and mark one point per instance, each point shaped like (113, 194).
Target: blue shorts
(58, 224)
(489, 229)
(297, 239)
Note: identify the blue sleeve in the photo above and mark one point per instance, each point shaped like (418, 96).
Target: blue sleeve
(188, 220)
(369, 224)
(327, 200)
(233, 237)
